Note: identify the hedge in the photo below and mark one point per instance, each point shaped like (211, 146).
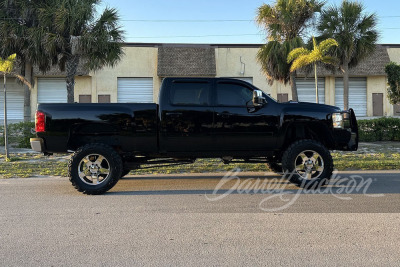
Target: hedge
(381, 129)
(18, 134)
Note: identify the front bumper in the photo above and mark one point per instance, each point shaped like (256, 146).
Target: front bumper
(37, 144)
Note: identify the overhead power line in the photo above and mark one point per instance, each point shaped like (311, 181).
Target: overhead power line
(195, 36)
(190, 20)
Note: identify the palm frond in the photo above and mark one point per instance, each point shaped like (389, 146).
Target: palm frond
(303, 57)
(329, 60)
(300, 62)
(297, 53)
(7, 65)
(354, 31)
(287, 19)
(273, 59)
(22, 79)
(327, 44)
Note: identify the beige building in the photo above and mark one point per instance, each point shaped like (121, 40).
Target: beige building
(137, 78)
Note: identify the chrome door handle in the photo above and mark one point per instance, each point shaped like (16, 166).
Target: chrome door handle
(174, 114)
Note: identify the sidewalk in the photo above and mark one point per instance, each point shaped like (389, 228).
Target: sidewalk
(17, 150)
(377, 147)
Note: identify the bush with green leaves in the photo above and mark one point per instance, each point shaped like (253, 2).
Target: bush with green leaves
(18, 134)
(393, 72)
(380, 129)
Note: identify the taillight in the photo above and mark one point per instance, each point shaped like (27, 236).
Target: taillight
(40, 122)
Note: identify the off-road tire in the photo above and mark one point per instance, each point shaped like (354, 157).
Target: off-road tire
(125, 172)
(292, 154)
(115, 168)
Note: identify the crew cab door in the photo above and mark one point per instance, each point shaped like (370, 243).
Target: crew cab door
(238, 126)
(186, 116)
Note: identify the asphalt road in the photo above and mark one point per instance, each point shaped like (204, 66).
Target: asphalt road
(177, 220)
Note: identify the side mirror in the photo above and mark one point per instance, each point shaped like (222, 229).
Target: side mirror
(258, 99)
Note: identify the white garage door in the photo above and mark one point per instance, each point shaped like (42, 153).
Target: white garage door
(357, 95)
(52, 90)
(306, 90)
(15, 100)
(138, 90)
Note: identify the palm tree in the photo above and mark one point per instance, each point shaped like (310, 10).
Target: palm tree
(19, 18)
(71, 34)
(302, 57)
(6, 68)
(355, 32)
(284, 22)
(272, 58)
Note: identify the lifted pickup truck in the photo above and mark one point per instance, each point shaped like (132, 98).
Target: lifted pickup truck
(196, 118)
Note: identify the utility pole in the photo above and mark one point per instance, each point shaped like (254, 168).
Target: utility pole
(5, 119)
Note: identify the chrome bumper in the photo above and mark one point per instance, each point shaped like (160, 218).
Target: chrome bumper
(37, 144)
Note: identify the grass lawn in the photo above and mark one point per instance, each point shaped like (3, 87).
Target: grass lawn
(33, 165)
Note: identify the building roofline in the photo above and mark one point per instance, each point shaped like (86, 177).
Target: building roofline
(391, 45)
(130, 44)
(190, 45)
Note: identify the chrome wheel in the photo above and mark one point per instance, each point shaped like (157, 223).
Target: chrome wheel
(309, 164)
(94, 169)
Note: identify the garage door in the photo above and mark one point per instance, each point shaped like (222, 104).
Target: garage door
(52, 90)
(138, 90)
(357, 95)
(15, 100)
(306, 90)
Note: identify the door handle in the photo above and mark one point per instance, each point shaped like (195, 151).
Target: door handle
(224, 115)
(174, 114)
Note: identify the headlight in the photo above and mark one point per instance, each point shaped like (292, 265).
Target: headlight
(337, 120)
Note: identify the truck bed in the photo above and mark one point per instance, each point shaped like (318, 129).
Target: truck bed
(133, 125)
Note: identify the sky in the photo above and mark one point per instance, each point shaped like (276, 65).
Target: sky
(221, 21)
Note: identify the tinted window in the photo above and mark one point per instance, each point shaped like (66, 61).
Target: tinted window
(190, 93)
(229, 94)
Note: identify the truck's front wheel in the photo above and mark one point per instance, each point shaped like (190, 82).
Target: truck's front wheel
(94, 169)
(307, 163)
(275, 167)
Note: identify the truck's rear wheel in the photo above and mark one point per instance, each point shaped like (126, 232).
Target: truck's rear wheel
(308, 163)
(94, 169)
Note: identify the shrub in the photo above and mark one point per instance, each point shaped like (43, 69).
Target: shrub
(393, 72)
(381, 129)
(18, 134)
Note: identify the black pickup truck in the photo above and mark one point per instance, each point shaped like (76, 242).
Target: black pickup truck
(195, 118)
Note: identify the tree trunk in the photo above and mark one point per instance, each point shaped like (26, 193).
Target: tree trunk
(346, 86)
(316, 84)
(28, 74)
(293, 86)
(71, 67)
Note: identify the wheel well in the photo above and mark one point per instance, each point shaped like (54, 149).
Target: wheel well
(77, 141)
(81, 134)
